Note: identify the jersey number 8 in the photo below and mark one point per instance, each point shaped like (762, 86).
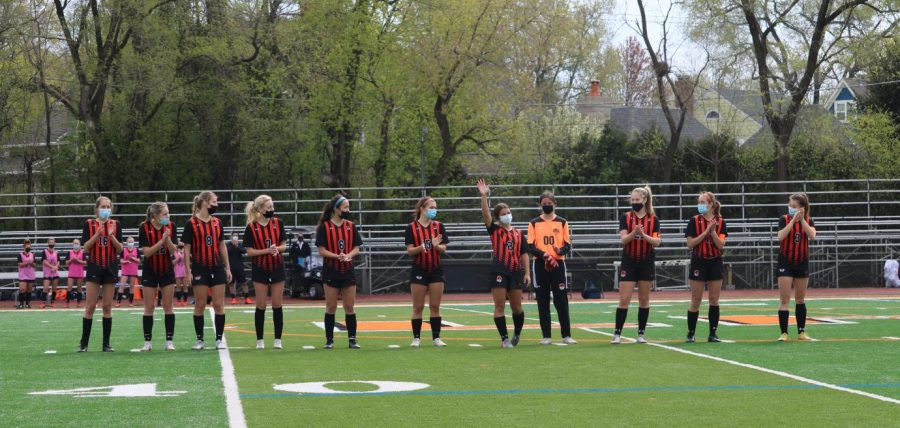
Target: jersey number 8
(209, 240)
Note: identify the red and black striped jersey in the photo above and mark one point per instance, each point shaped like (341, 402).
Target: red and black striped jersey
(261, 237)
(795, 247)
(204, 238)
(706, 249)
(417, 234)
(338, 240)
(102, 253)
(159, 263)
(507, 247)
(639, 249)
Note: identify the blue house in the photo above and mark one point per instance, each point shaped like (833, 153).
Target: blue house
(843, 101)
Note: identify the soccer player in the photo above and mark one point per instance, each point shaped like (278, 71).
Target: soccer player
(795, 230)
(50, 263)
(129, 281)
(206, 264)
(549, 242)
(265, 241)
(509, 266)
(426, 241)
(102, 239)
(181, 285)
(706, 234)
(76, 262)
(157, 275)
(25, 260)
(639, 233)
(338, 241)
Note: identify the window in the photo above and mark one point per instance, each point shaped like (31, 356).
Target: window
(840, 110)
(712, 115)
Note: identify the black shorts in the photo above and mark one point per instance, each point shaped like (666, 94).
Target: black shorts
(51, 278)
(335, 279)
(203, 275)
(154, 280)
(786, 268)
(551, 279)
(508, 280)
(633, 271)
(263, 276)
(237, 275)
(101, 275)
(706, 269)
(418, 276)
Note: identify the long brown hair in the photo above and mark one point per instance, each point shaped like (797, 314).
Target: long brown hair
(716, 206)
(329, 208)
(803, 200)
(497, 208)
(154, 210)
(204, 196)
(419, 205)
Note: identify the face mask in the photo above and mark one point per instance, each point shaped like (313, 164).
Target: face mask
(702, 208)
(547, 209)
(269, 214)
(637, 207)
(104, 213)
(76, 247)
(27, 249)
(234, 239)
(792, 211)
(431, 213)
(51, 246)
(164, 221)
(131, 245)
(212, 209)
(346, 215)
(506, 219)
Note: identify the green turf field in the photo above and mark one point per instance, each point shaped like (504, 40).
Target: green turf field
(849, 377)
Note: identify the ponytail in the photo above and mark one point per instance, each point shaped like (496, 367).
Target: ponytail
(419, 205)
(716, 205)
(204, 196)
(803, 200)
(253, 208)
(154, 210)
(648, 196)
(331, 206)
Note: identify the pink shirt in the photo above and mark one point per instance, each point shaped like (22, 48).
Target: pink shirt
(76, 270)
(179, 264)
(51, 257)
(26, 273)
(129, 268)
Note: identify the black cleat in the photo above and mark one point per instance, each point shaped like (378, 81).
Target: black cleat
(690, 339)
(353, 344)
(82, 348)
(515, 340)
(107, 348)
(713, 338)
(329, 344)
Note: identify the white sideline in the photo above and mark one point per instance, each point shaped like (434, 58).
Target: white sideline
(229, 381)
(762, 369)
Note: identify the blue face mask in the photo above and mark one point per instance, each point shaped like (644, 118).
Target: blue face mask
(431, 213)
(163, 221)
(702, 208)
(104, 213)
(792, 210)
(506, 219)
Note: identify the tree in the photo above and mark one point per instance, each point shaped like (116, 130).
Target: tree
(638, 86)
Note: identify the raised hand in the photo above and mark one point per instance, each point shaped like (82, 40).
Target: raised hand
(483, 188)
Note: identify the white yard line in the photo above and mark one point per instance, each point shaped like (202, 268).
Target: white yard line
(229, 381)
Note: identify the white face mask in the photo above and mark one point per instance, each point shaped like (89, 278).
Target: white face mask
(131, 245)
(506, 219)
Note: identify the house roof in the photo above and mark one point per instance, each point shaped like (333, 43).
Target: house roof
(859, 88)
(639, 119)
(805, 117)
(32, 142)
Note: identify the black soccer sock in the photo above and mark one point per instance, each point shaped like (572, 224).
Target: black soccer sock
(783, 321)
(643, 316)
(68, 297)
(435, 327)
(417, 327)
(518, 322)
(692, 322)
(86, 331)
(329, 326)
(543, 303)
(278, 320)
(219, 320)
(713, 319)
(198, 326)
(107, 331)
(170, 326)
(148, 327)
(259, 318)
(350, 319)
(28, 299)
(117, 296)
(20, 299)
(130, 296)
(500, 322)
(800, 310)
(621, 315)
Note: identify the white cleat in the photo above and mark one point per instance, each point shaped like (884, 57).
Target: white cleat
(546, 341)
(220, 345)
(259, 345)
(199, 346)
(277, 344)
(147, 346)
(415, 343)
(569, 341)
(641, 339)
(170, 346)
(507, 344)
(617, 339)
(439, 343)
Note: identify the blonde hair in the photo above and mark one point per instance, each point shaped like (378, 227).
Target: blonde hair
(155, 209)
(204, 196)
(100, 201)
(648, 195)
(253, 208)
(716, 206)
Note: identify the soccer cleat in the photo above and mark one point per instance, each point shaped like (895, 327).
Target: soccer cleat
(569, 341)
(260, 344)
(804, 336)
(783, 337)
(515, 340)
(354, 344)
(546, 341)
(248, 301)
(617, 339)
(506, 343)
(43, 305)
(27, 306)
(641, 339)
(199, 346)
(147, 346)
(170, 346)
(107, 348)
(118, 304)
(82, 347)
(277, 344)
(415, 343)
(234, 300)
(19, 306)
(220, 344)
(713, 339)
(329, 343)
(689, 339)
(439, 343)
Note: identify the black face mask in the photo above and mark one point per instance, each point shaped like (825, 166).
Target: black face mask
(212, 209)
(346, 215)
(547, 209)
(27, 249)
(269, 214)
(51, 246)
(637, 207)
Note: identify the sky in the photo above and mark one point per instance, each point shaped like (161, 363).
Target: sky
(623, 20)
